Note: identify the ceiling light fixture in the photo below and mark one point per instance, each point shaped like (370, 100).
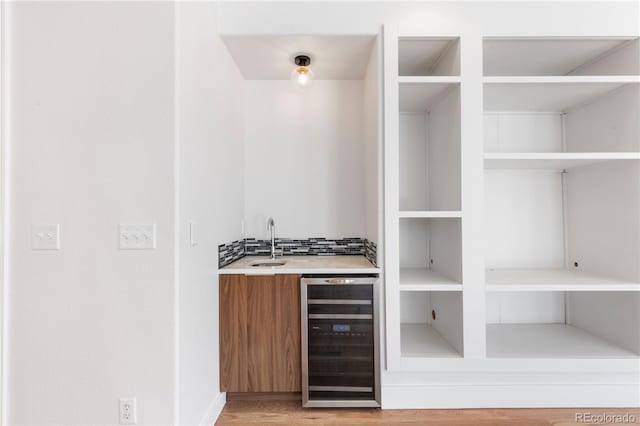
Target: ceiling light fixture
(302, 74)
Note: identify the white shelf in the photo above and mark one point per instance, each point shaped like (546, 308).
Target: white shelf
(553, 280)
(417, 97)
(429, 214)
(429, 79)
(423, 279)
(548, 341)
(423, 341)
(564, 80)
(552, 160)
(547, 94)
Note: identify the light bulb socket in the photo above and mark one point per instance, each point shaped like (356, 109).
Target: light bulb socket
(302, 60)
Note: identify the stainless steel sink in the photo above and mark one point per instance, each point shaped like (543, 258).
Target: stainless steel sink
(268, 262)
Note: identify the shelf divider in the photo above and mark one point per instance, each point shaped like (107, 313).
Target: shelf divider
(562, 79)
(424, 279)
(552, 160)
(553, 280)
(430, 214)
(429, 79)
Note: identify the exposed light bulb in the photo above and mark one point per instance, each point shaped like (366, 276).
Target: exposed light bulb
(302, 74)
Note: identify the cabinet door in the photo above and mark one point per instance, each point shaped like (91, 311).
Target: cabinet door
(260, 330)
(260, 333)
(286, 336)
(233, 333)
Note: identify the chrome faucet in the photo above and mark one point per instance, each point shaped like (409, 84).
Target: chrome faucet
(271, 227)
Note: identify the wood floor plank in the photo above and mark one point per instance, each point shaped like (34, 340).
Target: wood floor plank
(291, 413)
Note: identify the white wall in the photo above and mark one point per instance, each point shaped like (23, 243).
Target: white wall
(524, 219)
(592, 311)
(371, 131)
(603, 219)
(434, 17)
(3, 251)
(444, 152)
(525, 307)
(209, 111)
(413, 155)
(303, 159)
(90, 141)
(522, 132)
(611, 118)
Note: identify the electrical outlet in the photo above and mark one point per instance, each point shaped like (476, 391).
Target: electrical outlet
(128, 411)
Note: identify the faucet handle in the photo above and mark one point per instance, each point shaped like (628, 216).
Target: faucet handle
(279, 252)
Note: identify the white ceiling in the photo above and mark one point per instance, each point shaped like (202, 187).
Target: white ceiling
(268, 57)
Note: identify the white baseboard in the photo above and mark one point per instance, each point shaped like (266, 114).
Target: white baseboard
(530, 395)
(536, 395)
(214, 410)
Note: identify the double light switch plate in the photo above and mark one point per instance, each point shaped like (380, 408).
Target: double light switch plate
(45, 237)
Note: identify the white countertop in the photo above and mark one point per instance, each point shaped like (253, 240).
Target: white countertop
(304, 265)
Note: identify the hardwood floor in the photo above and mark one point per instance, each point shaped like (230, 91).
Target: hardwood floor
(291, 413)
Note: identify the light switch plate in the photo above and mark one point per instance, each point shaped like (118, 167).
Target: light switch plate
(137, 237)
(192, 234)
(45, 237)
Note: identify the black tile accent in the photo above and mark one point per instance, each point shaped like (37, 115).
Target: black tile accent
(371, 252)
(229, 253)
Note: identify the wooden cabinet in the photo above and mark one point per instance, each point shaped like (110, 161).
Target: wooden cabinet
(260, 333)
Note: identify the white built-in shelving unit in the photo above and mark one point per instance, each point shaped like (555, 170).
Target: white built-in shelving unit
(561, 208)
(562, 197)
(425, 198)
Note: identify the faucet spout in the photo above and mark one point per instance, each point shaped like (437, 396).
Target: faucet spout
(271, 227)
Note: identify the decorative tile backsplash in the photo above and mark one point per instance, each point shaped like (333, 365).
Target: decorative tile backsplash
(308, 246)
(229, 253)
(371, 251)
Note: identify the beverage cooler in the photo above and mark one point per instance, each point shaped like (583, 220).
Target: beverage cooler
(340, 343)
